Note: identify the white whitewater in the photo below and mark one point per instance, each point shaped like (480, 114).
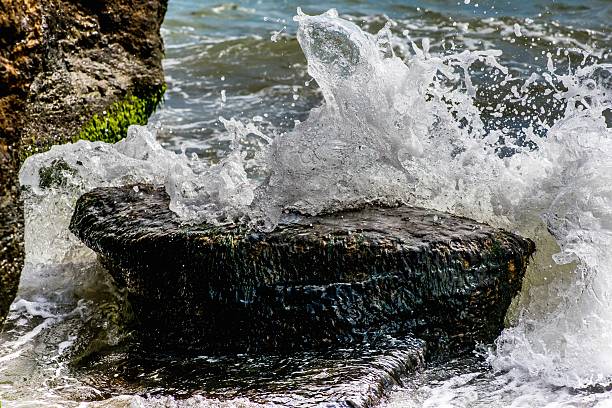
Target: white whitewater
(393, 130)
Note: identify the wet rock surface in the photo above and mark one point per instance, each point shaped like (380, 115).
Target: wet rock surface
(355, 376)
(62, 63)
(312, 283)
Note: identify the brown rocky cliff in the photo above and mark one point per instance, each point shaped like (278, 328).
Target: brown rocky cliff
(62, 62)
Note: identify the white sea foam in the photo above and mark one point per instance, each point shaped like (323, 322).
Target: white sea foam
(404, 131)
(408, 132)
(54, 180)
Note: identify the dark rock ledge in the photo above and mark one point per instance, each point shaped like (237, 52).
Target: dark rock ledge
(323, 311)
(313, 282)
(355, 376)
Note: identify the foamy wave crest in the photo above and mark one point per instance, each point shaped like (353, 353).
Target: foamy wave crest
(53, 181)
(413, 132)
(536, 160)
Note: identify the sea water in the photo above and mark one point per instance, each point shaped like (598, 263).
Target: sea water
(498, 112)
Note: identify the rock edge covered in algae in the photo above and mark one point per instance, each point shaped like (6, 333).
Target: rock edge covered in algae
(69, 70)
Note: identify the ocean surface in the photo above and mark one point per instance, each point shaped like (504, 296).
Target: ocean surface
(215, 49)
(525, 144)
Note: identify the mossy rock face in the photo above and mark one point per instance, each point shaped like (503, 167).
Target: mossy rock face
(313, 282)
(109, 125)
(112, 125)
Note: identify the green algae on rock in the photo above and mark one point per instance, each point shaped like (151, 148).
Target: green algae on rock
(312, 282)
(112, 125)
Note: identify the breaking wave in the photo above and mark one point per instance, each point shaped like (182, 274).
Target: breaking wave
(533, 156)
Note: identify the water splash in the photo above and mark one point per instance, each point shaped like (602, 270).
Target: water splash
(350, 150)
(367, 142)
(390, 131)
(414, 131)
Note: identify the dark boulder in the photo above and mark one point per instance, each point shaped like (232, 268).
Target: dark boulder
(69, 70)
(312, 282)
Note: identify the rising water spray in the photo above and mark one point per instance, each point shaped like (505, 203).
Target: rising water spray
(393, 130)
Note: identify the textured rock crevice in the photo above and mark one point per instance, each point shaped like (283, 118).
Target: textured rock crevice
(313, 282)
(62, 63)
